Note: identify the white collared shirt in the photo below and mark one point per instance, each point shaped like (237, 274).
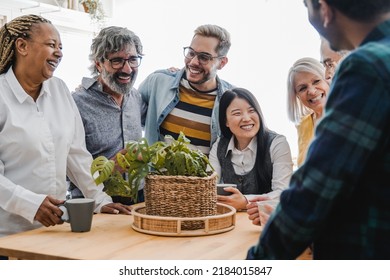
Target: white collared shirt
(40, 144)
(243, 162)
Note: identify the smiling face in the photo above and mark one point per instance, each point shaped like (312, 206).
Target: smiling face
(203, 77)
(243, 121)
(311, 90)
(43, 52)
(118, 80)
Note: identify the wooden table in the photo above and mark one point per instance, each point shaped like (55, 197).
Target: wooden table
(112, 237)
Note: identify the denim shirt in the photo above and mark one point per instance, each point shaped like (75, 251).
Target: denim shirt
(160, 92)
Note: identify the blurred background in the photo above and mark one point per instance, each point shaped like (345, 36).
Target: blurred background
(267, 37)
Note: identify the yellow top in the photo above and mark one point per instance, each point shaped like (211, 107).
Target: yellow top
(305, 134)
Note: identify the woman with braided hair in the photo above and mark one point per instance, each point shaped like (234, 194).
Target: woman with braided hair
(41, 133)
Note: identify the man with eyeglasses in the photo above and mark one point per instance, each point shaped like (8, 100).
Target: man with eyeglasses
(330, 58)
(109, 105)
(188, 100)
(339, 199)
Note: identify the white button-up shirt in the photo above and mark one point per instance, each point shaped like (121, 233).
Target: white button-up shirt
(40, 143)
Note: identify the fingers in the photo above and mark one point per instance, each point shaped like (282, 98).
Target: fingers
(116, 208)
(256, 222)
(173, 69)
(259, 198)
(251, 205)
(48, 214)
(222, 198)
(263, 218)
(232, 190)
(268, 208)
(253, 213)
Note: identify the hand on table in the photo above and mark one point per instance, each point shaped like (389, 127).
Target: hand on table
(116, 208)
(48, 213)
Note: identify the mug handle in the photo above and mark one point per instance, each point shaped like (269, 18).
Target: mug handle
(65, 215)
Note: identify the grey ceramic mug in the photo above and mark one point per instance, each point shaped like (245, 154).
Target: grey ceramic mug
(78, 212)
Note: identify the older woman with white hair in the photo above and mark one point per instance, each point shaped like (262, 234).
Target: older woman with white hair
(307, 90)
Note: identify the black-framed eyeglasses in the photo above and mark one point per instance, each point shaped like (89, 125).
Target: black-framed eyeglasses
(203, 58)
(118, 62)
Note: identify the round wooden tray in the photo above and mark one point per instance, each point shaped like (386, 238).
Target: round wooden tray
(172, 226)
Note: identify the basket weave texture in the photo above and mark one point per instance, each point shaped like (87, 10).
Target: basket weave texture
(173, 226)
(181, 196)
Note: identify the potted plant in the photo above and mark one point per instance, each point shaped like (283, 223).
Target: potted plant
(94, 8)
(163, 158)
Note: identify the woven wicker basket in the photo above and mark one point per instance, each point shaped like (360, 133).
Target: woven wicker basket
(181, 196)
(173, 226)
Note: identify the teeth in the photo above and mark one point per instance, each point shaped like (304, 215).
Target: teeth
(247, 127)
(52, 63)
(124, 77)
(316, 99)
(194, 71)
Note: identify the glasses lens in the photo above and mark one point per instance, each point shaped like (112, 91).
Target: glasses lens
(135, 61)
(117, 63)
(202, 57)
(189, 53)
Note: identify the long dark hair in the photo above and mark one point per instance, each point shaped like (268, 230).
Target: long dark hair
(263, 177)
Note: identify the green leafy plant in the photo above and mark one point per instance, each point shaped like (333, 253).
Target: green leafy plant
(171, 157)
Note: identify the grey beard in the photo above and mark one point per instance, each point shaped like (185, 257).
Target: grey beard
(110, 81)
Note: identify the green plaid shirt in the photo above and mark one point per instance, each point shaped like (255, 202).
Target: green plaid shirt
(339, 200)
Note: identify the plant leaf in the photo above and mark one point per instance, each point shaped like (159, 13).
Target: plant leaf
(105, 168)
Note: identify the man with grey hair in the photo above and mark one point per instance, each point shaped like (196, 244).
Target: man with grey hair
(109, 105)
(188, 100)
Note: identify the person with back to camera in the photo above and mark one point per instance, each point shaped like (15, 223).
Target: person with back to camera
(307, 91)
(248, 154)
(188, 100)
(339, 199)
(41, 132)
(109, 105)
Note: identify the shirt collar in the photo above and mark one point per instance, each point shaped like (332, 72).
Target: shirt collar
(18, 90)
(252, 146)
